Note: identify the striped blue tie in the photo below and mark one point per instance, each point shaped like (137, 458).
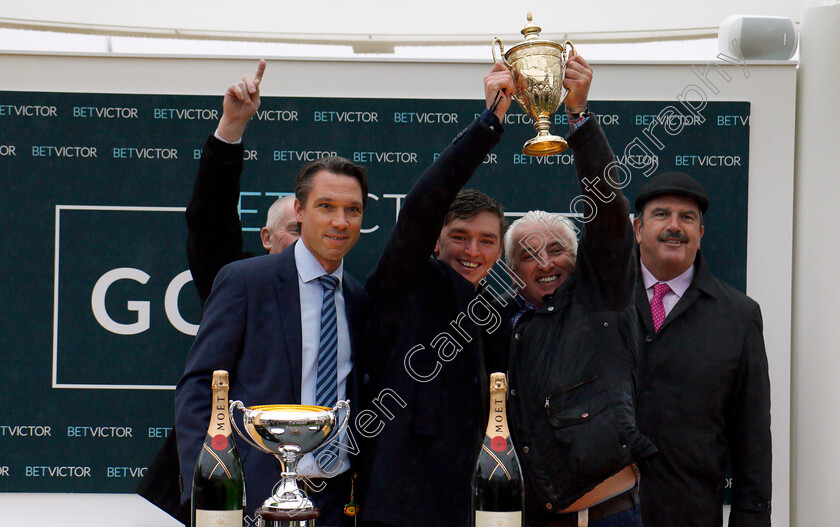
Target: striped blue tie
(326, 387)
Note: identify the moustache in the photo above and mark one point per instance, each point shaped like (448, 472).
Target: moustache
(673, 235)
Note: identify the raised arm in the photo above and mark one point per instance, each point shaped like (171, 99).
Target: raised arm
(214, 236)
(606, 248)
(425, 207)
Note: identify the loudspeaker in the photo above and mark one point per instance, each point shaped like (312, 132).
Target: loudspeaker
(757, 37)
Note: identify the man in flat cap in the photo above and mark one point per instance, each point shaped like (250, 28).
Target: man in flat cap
(704, 386)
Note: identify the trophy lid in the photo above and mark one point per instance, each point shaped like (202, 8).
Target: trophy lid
(533, 43)
(531, 31)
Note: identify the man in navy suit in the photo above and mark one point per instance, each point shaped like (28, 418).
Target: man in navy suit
(214, 240)
(262, 321)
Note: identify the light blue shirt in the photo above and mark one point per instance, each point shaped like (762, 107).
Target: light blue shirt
(311, 297)
(678, 284)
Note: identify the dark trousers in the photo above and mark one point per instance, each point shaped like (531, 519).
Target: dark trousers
(629, 518)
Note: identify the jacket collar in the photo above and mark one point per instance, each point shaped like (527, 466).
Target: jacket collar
(288, 302)
(702, 284)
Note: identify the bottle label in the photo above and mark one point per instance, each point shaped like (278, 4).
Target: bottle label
(498, 519)
(498, 444)
(219, 442)
(205, 518)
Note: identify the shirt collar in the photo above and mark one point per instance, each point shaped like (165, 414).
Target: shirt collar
(678, 284)
(309, 268)
(523, 302)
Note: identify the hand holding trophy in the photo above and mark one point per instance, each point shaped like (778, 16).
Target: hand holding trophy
(539, 70)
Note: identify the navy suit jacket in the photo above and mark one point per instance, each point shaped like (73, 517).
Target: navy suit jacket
(251, 327)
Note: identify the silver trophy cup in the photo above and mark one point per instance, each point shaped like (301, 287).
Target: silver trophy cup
(289, 431)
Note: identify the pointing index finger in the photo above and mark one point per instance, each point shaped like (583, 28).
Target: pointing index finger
(260, 70)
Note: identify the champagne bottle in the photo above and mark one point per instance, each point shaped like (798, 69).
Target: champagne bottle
(218, 492)
(497, 489)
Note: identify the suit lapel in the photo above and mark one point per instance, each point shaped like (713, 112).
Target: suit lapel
(703, 283)
(643, 305)
(699, 285)
(353, 310)
(287, 292)
(691, 295)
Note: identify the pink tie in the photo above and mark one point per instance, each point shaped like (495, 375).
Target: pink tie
(656, 308)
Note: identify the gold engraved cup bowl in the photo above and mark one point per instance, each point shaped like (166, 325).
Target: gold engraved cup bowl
(289, 431)
(538, 68)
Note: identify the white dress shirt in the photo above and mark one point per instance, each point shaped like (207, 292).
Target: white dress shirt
(311, 298)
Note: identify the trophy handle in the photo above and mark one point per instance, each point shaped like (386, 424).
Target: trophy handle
(238, 404)
(338, 430)
(568, 43)
(502, 51)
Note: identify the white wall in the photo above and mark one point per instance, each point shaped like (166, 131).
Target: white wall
(816, 352)
(771, 89)
(82, 510)
(376, 20)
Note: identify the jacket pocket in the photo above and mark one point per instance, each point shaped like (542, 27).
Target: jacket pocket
(586, 434)
(566, 392)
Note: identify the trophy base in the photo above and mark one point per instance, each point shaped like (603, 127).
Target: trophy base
(544, 145)
(293, 518)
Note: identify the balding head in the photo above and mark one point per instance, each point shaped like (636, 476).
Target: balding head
(281, 227)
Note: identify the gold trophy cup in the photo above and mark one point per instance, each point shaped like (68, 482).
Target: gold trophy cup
(538, 68)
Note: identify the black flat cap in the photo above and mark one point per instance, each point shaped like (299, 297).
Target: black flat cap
(672, 183)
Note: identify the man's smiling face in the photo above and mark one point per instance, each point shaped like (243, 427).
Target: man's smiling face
(668, 233)
(544, 265)
(471, 246)
(331, 218)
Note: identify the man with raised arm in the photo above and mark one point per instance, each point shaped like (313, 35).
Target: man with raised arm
(426, 374)
(572, 330)
(214, 229)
